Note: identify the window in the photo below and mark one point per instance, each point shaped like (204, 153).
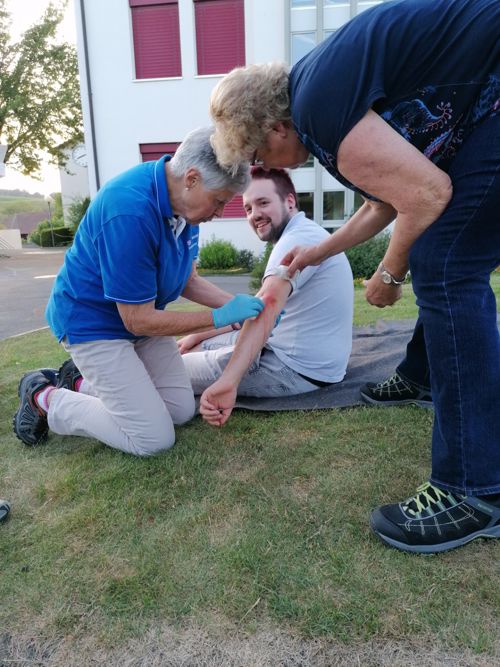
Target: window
(358, 201)
(220, 35)
(306, 203)
(302, 43)
(155, 151)
(157, 48)
(333, 205)
(234, 209)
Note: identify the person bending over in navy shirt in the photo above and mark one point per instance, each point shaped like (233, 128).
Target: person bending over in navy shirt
(134, 252)
(402, 104)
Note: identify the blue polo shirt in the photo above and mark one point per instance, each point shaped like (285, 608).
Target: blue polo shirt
(124, 251)
(429, 68)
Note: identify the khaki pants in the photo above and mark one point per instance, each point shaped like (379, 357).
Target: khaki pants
(136, 392)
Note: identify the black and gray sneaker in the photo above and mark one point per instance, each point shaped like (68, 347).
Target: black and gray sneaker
(395, 391)
(68, 375)
(4, 510)
(434, 520)
(51, 375)
(30, 421)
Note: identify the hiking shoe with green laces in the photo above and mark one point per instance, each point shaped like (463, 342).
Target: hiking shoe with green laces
(395, 391)
(30, 421)
(434, 520)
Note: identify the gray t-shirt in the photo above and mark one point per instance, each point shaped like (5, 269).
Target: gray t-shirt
(314, 336)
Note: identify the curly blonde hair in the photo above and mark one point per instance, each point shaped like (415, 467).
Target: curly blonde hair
(244, 106)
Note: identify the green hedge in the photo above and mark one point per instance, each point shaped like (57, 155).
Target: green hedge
(260, 267)
(218, 255)
(365, 258)
(57, 236)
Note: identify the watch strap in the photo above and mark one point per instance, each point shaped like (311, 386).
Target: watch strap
(394, 280)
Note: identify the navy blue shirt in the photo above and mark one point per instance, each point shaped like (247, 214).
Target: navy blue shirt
(430, 68)
(124, 251)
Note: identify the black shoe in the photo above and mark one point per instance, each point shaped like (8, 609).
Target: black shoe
(68, 375)
(434, 520)
(4, 510)
(395, 391)
(50, 374)
(30, 421)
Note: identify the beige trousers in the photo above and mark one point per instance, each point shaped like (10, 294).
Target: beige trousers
(135, 392)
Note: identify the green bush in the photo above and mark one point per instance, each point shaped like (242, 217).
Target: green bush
(217, 255)
(76, 211)
(260, 267)
(47, 237)
(245, 260)
(365, 258)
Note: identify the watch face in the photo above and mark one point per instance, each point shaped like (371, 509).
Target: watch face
(79, 155)
(386, 278)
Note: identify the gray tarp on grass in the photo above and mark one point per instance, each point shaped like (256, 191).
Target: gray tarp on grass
(376, 351)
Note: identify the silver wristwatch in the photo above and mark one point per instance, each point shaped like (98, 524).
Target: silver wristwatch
(388, 278)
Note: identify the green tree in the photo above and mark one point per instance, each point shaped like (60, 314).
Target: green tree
(40, 109)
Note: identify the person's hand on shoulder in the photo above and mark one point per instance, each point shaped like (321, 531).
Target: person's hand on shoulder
(301, 256)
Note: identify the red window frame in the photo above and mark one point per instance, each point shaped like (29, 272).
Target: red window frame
(235, 208)
(156, 38)
(155, 151)
(220, 35)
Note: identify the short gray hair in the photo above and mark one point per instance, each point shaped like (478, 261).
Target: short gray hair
(196, 152)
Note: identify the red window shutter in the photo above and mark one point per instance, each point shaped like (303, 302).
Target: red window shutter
(235, 208)
(155, 151)
(220, 35)
(157, 45)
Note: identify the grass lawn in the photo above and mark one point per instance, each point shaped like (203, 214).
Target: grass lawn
(256, 530)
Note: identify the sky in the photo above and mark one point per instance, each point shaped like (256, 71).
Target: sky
(25, 13)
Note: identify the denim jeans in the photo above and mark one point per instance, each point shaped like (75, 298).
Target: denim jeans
(267, 376)
(415, 366)
(451, 263)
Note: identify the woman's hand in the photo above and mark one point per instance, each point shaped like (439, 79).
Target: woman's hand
(188, 343)
(301, 256)
(379, 294)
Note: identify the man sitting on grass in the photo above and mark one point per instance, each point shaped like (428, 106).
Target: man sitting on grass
(311, 346)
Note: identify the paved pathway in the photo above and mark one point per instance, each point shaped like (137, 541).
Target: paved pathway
(26, 280)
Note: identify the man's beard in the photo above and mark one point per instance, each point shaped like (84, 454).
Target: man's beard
(276, 232)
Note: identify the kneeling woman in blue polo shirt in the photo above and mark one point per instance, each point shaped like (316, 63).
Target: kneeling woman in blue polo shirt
(134, 253)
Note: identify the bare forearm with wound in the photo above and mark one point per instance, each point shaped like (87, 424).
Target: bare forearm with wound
(253, 337)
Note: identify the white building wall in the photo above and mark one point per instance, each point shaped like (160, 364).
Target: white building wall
(128, 112)
(121, 112)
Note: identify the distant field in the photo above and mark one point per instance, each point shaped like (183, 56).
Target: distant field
(10, 205)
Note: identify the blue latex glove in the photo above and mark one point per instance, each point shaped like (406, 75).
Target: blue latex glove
(239, 309)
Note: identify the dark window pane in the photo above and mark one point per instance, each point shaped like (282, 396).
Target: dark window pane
(306, 203)
(333, 205)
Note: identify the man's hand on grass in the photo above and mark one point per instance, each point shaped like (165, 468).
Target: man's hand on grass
(217, 402)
